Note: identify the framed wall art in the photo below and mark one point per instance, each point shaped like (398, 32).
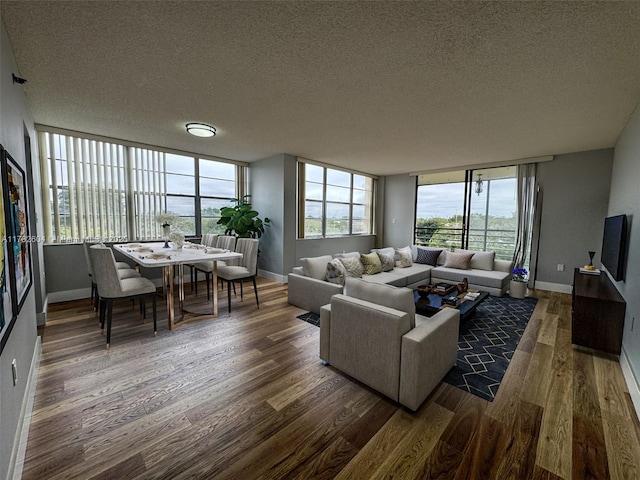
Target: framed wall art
(14, 185)
(7, 316)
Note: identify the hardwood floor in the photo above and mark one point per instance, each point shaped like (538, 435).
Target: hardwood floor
(245, 396)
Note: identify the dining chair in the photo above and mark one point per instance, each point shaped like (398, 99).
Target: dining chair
(226, 242)
(110, 286)
(247, 269)
(124, 270)
(208, 240)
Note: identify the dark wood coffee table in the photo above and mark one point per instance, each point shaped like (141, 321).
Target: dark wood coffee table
(434, 304)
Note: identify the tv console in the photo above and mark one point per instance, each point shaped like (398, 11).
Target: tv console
(597, 319)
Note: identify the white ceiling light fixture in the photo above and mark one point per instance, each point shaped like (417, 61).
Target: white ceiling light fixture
(201, 129)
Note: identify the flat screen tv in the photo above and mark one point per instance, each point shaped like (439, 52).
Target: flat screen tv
(614, 245)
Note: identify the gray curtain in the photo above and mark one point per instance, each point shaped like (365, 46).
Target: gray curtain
(526, 209)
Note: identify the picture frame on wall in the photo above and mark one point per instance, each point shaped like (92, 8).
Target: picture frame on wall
(14, 183)
(7, 315)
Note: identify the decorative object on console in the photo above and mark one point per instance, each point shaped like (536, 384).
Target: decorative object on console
(464, 286)
(590, 266)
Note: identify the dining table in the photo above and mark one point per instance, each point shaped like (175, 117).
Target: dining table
(162, 255)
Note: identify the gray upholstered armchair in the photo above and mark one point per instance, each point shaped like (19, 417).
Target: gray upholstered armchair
(372, 333)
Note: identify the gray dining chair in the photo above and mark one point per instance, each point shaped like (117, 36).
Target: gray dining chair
(208, 240)
(110, 286)
(226, 242)
(124, 270)
(247, 269)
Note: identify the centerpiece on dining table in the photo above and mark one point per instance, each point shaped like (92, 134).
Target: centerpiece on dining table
(166, 220)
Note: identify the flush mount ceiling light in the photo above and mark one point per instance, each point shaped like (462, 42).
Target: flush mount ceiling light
(201, 129)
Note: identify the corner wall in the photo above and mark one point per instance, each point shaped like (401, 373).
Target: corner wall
(625, 199)
(22, 342)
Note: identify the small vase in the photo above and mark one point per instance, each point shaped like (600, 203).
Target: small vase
(166, 230)
(177, 245)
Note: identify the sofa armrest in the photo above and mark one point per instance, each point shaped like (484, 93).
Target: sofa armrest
(310, 294)
(428, 353)
(365, 341)
(503, 265)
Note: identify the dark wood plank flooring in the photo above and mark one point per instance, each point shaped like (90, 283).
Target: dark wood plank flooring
(245, 396)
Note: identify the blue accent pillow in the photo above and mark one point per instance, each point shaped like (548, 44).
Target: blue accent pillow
(428, 256)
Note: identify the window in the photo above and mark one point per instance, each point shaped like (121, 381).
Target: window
(112, 191)
(468, 209)
(334, 202)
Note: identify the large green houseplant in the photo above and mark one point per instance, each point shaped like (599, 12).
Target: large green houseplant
(242, 220)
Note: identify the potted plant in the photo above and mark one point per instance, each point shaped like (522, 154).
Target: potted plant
(242, 220)
(519, 281)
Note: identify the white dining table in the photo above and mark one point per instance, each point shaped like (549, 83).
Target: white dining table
(155, 255)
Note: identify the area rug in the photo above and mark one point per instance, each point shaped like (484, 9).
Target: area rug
(486, 343)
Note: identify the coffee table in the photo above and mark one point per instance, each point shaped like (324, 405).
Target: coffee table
(434, 305)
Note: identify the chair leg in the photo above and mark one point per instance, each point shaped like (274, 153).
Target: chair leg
(255, 289)
(196, 282)
(109, 314)
(191, 276)
(102, 307)
(155, 323)
(241, 293)
(229, 295)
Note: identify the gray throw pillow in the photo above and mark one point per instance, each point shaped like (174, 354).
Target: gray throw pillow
(336, 272)
(387, 260)
(316, 267)
(353, 267)
(458, 260)
(404, 257)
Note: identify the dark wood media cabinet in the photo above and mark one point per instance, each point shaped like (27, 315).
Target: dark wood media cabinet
(598, 309)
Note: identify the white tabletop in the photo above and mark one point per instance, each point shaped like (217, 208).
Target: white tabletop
(155, 255)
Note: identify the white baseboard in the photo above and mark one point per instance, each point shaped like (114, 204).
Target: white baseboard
(67, 295)
(553, 287)
(272, 276)
(16, 463)
(632, 381)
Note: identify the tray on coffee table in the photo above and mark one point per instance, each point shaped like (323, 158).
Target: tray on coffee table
(433, 303)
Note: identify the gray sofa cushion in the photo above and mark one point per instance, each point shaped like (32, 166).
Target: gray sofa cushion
(316, 267)
(386, 278)
(389, 296)
(417, 272)
(480, 260)
(494, 278)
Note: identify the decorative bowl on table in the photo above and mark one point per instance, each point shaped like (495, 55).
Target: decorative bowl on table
(424, 290)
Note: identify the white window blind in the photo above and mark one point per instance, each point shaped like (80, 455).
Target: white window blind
(149, 185)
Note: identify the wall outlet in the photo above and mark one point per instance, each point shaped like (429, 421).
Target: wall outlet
(561, 267)
(14, 370)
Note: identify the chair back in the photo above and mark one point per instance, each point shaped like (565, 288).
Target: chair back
(248, 247)
(86, 245)
(209, 239)
(105, 272)
(228, 242)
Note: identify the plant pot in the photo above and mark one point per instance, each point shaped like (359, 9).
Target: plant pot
(517, 289)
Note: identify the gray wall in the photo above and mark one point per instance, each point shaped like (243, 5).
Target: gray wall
(399, 210)
(625, 199)
(575, 194)
(272, 183)
(22, 343)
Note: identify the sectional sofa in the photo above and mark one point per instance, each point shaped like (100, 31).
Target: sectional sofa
(309, 288)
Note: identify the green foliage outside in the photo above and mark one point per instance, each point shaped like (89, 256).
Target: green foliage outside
(499, 235)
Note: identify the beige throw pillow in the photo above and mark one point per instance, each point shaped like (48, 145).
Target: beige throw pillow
(352, 266)
(458, 260)
(404, 257)
(315, 267)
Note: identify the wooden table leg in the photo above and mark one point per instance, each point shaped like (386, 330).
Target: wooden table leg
(168, 278)
(215, 288)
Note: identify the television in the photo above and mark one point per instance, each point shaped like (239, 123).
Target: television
(614, 245)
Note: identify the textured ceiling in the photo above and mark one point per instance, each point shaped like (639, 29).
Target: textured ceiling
(380, 87)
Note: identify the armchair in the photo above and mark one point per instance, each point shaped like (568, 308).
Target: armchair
(371, 333)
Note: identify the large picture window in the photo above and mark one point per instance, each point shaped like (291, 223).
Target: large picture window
(334, 202)
(112, 191)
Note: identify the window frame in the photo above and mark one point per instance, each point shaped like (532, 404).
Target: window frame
(137, 189)
(324, 202)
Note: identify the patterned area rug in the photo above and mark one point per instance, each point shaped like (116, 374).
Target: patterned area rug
(486, 344)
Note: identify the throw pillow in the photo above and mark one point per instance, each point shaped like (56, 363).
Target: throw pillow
(316, 267)
(404, 258)
(428, 256)
(480, 260)
(371, 263)
(352, 266)
(458, 260)
(387, 261)
(336, 272)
